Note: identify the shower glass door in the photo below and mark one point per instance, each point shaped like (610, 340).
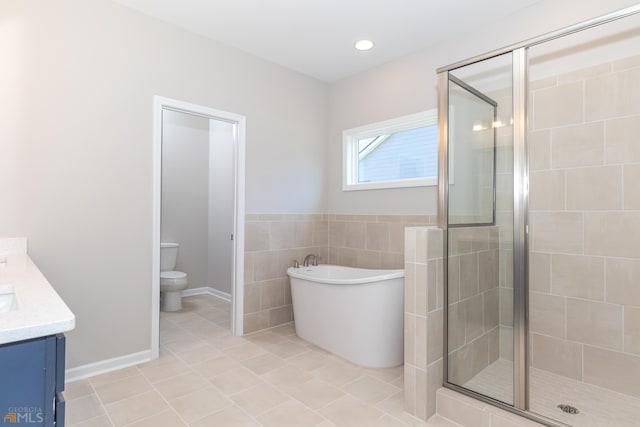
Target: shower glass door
(538, 181)
(479, 229)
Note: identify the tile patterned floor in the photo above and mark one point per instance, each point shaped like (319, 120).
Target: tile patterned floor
(206, 377)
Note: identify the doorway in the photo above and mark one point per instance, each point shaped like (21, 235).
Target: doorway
(198, 202)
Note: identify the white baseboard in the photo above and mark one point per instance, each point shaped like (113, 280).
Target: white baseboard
(104, 366)
(207, 290)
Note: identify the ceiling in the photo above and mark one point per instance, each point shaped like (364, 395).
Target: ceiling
(316, 37)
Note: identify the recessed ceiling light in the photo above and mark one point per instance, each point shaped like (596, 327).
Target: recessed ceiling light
(363, 45)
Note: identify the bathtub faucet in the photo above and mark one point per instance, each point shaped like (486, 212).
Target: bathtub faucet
(311, 257)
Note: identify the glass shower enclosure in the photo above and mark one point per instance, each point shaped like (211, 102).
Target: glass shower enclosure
(539, 186)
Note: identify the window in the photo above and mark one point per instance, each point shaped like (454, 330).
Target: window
(401, 152)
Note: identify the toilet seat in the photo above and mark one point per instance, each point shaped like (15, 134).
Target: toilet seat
(175, 278)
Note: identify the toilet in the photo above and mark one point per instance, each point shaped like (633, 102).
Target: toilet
(172, 283)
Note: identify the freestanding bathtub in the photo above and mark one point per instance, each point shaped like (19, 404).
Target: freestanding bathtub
(355, 313)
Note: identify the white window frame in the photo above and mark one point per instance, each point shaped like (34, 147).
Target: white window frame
(350, 157)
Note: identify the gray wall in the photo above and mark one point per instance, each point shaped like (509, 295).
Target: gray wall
(76, 100)
(185, 192)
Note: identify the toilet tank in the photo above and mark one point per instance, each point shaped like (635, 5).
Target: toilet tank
(168, 256)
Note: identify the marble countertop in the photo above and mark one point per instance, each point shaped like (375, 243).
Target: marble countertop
(36, 310)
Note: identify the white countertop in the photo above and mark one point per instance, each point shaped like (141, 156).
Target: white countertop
(37, 309)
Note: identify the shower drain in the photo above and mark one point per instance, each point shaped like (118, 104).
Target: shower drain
(568, 409)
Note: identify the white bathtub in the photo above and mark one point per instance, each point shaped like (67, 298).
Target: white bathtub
(355, 313)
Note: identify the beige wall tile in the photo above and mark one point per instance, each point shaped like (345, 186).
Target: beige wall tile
(580, 145)
(547, 190)
(557, 232)
(491, 309)
(410, 339)
(557, 355)
(423, 278)
(435, 243)
(377, 236)
(348, 257)
(612, 370)
(612, 234)
(468, 275)
(421, 245)
(474, 317)
(612, 95)
(337, 234)
(281, 235)
(390, 260)
(632, 187)
(578, 276)
(584, 73)
(421, 339)
(434, 382)
(255, 321)
(256, 236)
(594, 323)
(506, 342)
(506, 306)
(547, 314)
(356, 235)
(410, 389)
(540, 150)
(434, 336)
(494, 345)
(621, 141)
(630, 62)
(488, 270)
(453, 278)
(410, 287)
(622, 281)
(469, 360)
(265, 266)
(456, 326)
(410, 244)
(320, 233)
(462, 410)
(280, 315)
(368, 259)
(286, 257)
(539, 272)
(632, 331)
(396, 237)
(272, 293)
(598, 188)
(302, 234)
(252, 297)
(248, 267)
(558, 105)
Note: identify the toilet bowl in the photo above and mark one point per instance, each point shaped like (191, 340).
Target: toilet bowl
(172, 282)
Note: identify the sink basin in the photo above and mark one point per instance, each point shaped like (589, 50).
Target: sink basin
(7, 298)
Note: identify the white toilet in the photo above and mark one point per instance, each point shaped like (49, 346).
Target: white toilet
(171, 282)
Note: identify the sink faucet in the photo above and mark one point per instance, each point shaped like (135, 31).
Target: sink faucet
(312, 257)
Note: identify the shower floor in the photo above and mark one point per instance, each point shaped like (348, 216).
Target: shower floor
(598, 406)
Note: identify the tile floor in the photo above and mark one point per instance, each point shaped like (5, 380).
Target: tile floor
(206, 377)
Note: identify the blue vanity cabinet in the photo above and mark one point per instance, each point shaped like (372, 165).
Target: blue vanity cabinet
(32, 381)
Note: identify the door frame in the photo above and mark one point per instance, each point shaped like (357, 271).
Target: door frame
(237, 288)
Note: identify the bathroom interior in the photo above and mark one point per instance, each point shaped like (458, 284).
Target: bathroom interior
(521, 293)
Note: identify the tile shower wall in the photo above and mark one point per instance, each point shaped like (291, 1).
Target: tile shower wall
(272, 242)
(423, 319)
(585, 225)
(474, 295)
